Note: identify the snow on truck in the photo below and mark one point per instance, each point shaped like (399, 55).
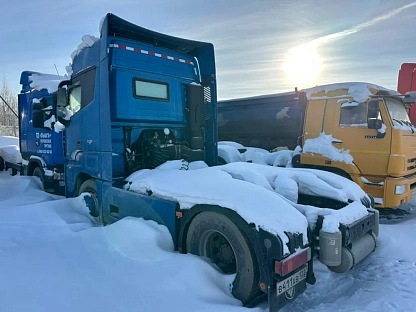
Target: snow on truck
(357, 130)
(135, 126)
(337, 209)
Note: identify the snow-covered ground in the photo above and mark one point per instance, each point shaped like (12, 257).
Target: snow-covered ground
(55, 257)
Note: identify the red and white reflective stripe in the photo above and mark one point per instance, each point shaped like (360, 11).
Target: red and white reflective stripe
(176, 59)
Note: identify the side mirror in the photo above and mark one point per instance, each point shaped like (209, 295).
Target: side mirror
(375, 124)
(38, 114)
(37, 106)
(61, 97)
(373, 110)
(38, 119)
(62, 115)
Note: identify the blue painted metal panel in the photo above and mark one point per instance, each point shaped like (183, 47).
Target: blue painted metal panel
(153, 64)
(127, 107)
(139, 206)
(88, 57)
(266, 121)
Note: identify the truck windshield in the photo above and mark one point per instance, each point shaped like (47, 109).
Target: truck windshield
(397, 112)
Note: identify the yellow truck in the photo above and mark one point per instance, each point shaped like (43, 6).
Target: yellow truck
(358, 130)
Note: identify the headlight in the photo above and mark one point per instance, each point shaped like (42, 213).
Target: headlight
(399, 189)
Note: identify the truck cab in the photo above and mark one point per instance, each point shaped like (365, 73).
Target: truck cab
(134, 101)
(41, 147)
(376, 131)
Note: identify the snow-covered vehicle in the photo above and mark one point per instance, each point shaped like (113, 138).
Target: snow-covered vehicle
(148, 98)
(357, 130)
(339, 212)
(138, 139)
(9, 151)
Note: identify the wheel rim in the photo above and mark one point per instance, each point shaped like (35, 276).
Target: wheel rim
(93, 202)
(217, 248)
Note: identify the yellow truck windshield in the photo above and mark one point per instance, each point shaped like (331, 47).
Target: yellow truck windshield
(397, 112)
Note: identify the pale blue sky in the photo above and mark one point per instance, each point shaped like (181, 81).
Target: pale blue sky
(251, 37)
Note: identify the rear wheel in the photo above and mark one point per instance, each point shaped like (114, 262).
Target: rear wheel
(1, 163)
(216, 237)
(90, 187)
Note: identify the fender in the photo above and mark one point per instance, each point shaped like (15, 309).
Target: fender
(35, 161)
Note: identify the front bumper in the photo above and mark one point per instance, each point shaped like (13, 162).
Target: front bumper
(55, 183)
(385, 195)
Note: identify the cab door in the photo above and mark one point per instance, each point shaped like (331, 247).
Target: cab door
(369, 148)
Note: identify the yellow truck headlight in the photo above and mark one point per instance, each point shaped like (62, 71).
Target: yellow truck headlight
(399, 189)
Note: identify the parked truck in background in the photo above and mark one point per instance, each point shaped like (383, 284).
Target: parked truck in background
(136, 99)
(41, 149)
(357, 130)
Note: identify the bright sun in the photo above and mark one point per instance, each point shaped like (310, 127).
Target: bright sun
(302, 64)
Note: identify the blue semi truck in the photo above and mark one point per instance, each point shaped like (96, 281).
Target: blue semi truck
(136, 99)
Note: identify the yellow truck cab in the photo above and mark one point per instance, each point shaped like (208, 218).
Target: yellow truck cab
(371, 131)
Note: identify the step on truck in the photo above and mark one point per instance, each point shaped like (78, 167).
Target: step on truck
(137, 99)
(360, 131)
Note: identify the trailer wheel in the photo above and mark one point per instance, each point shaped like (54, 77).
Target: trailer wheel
(1, 163)
(216, 237)
(38, 172)
(90, 186)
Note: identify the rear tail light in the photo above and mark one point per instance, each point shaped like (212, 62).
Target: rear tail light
(293, 262)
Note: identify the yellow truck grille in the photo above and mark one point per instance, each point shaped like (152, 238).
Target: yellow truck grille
(411, 164)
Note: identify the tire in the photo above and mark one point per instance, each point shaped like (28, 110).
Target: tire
(38, 172)
(221, 161)
(90, 186)
(296, 161)
(210, 233)
(2, 165)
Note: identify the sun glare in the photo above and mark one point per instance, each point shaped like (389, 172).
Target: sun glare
(302, 65)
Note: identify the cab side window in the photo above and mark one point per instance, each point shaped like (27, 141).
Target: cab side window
(353, 113)
(75, 99)
(82, 91)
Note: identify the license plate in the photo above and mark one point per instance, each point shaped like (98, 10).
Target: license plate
(291, 281)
